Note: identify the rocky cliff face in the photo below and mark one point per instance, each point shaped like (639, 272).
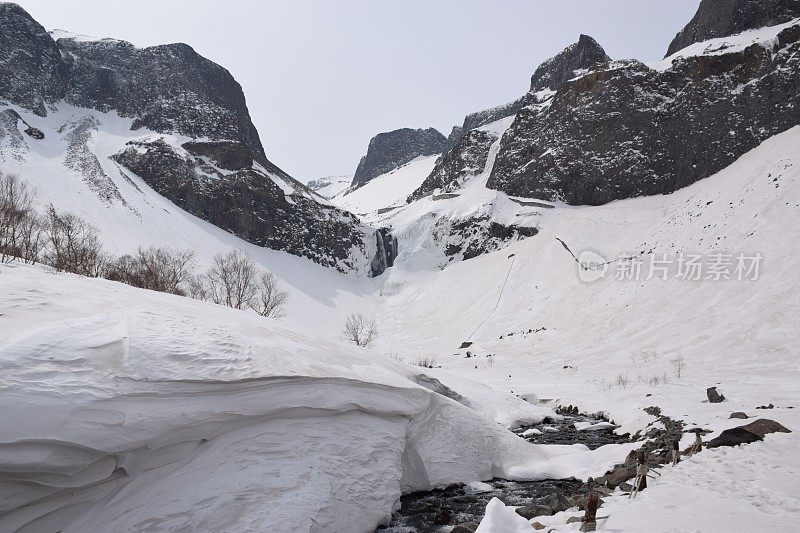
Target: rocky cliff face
(467, 158)
(573, 60)
(626, 129)
(391, 150)
(220, 171)
(719, 18)
(32, 73)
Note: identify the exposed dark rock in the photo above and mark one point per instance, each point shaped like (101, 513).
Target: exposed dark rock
(582, 55)
(734, 437)
(531, 511)
(720, 18)
(627, 130)
(32, 72)
(770, 406)
(620, 475)
(577, 57)
(738, 414)
(386, 251)
(467, 158)
(764, 426)
(230, 155)
(476, 236)
(469, 527)
(168, 89)
(714, 396)
(482, 118)
(247, 203)
(34, 133)
(391, 150)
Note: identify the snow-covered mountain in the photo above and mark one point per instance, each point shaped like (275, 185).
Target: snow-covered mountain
(124, 410)
(178, 122)
(393, 149)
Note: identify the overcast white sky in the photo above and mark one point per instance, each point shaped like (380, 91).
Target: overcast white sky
(323, 76)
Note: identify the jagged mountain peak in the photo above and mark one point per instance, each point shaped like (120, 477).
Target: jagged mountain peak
(583, 54)
(721, 18)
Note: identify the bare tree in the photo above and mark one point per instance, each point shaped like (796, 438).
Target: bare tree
(72, 244)
(231, 279)
(20, 228)
(360, 330)
(196, 287)
(678, 364)
(157, 269)
(270, 300)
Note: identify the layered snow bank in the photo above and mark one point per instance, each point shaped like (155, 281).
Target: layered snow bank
(123, 409)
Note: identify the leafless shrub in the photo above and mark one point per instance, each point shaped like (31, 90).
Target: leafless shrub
(426, 361)
(270, 300)
(678, 365)
(20, 227)
(196, 287)
(72, 244)
(622, 381)
(231, 280)
(360, 330)
(654, 381)
(157, 269)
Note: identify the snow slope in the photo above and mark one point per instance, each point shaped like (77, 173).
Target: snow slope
(135, 410)
(387, 190)
(330, 186)
(604, 341)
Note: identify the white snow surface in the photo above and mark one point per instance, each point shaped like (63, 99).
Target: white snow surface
(108, 392)
(387, 190)
(330, 186)
(136, 410)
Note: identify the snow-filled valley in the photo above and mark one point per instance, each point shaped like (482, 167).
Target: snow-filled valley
(125, 409)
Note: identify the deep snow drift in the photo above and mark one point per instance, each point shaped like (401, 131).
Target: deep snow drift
(126, 409)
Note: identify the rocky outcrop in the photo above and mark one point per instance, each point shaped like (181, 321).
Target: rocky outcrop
(720, 18)
(167, 88)
(482, 118)
(391, 150)
(248, 203)
(221, 174)
(385, 253)
(32, 72)
(575, 59)
(467, 158)
(472, 237)
(627, 130)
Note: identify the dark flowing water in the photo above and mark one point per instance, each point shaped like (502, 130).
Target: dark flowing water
(439, 511)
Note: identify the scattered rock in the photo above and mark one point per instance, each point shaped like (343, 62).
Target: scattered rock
(739, 414)
(465, 344)
(531, 511)
(443, 518)
(734, 437)
(764, 426)
(469, 527)
(574, 519)
(35, 133)
(625, 487)
(714, 396)
(770, 406)
(620, 475)
(535, 525)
